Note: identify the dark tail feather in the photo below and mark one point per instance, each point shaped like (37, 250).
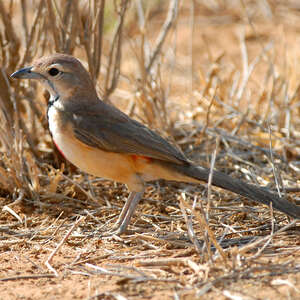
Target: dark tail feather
(252, 192)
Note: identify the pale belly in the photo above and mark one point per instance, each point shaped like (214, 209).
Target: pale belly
(132, 170)
(89, 159)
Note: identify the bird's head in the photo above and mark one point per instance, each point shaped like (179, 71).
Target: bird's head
(62, 75)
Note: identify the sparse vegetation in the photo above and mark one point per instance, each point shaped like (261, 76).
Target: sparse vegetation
(218, 78)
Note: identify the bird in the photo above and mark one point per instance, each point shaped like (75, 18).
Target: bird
(103, 141)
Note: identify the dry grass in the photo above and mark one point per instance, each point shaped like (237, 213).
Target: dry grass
(222, 80)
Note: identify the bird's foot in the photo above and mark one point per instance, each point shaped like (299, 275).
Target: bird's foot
(115, 231)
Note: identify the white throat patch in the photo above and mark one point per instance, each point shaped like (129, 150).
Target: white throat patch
(55, 106)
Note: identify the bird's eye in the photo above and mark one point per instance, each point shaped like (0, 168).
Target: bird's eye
(53, 71)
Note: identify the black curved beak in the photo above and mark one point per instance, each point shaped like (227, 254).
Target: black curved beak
(25, 73)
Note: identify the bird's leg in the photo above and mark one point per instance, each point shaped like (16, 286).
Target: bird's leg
(127, 211)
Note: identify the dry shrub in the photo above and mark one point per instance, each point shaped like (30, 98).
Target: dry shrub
(42, 27)
(107, 36)
(191, 87)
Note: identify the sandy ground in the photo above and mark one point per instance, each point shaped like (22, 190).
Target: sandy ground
(158, 261)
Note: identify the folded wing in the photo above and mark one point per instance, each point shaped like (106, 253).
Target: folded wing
(105, 127)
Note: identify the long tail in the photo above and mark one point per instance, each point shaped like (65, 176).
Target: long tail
(252, 192)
